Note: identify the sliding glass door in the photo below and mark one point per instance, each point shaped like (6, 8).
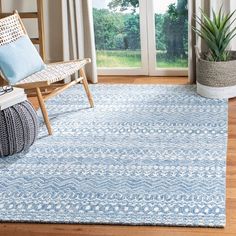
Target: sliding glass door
(120, 37)
(141, 37)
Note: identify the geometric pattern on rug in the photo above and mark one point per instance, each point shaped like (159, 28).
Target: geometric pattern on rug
(145, 155)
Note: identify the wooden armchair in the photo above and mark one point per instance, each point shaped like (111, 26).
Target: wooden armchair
(12, 28)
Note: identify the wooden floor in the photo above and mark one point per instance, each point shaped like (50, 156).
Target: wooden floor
(99, 230)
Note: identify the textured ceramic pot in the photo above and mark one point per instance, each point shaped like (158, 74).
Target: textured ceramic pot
(18, 128)
(216, 79)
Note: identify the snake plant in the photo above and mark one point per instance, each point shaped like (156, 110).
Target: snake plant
(217, 32)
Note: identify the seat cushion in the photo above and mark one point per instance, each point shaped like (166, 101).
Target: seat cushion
(19, 59)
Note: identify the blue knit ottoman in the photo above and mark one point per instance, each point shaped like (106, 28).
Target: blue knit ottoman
(18, 128)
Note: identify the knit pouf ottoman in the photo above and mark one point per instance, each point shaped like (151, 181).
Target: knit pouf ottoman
(18, 128)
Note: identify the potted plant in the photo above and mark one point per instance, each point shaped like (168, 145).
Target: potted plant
(216, 68)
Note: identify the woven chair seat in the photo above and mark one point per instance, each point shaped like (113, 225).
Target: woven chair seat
(55, 72)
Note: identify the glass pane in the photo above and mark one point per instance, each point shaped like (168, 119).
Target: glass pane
(117, 33)
(171, 22)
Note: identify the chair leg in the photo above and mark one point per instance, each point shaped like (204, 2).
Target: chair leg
(44, 111)
(86, 87)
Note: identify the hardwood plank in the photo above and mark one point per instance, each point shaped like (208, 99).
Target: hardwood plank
(108, 230)
(142, 80)
(17, 229)
(35, 40)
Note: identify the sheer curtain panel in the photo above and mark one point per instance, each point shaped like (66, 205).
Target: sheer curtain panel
(78, 34)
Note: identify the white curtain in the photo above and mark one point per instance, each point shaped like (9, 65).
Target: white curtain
(78, 34)
(194, 9)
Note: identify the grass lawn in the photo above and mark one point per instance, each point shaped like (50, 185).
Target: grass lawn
(133, 59)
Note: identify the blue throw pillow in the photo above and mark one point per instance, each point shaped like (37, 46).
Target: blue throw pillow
(19, 60)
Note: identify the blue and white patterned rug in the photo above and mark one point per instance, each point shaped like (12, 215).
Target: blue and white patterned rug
(145, 154)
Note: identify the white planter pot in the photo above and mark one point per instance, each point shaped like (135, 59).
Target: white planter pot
(216, 92)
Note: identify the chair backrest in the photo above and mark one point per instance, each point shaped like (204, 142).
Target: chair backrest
(11, 28)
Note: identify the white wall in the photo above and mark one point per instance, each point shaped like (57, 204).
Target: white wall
(52, 21)
(228, 5)
(232, 8)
